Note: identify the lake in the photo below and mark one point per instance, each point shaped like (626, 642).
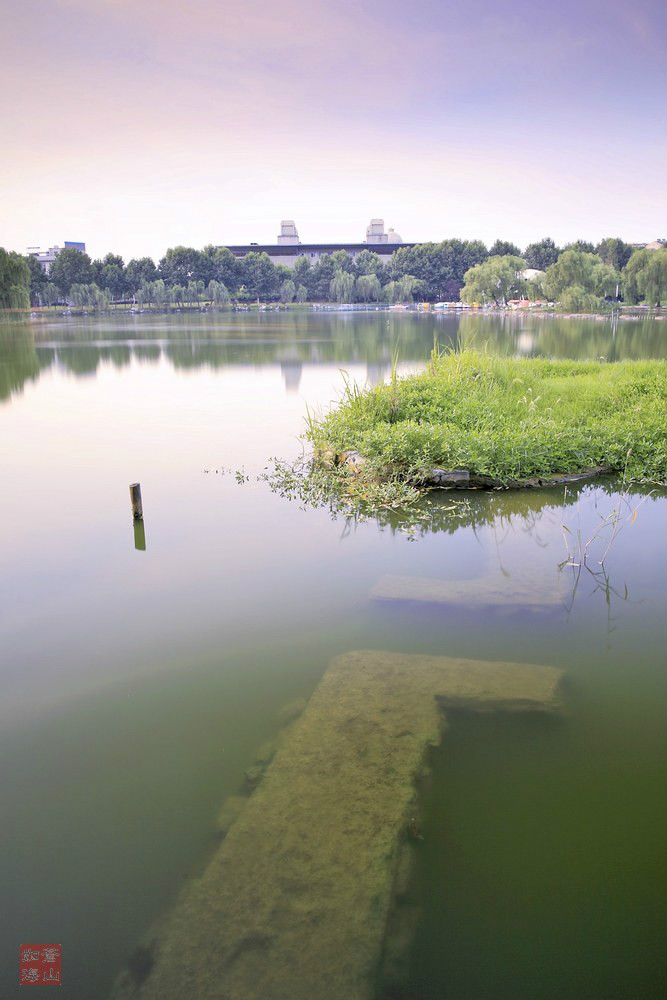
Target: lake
(138, 684)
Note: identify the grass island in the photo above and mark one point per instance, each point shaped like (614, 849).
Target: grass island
(472, 420)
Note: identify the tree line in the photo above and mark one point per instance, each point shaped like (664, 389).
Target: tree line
(578, 279)
(432, 272)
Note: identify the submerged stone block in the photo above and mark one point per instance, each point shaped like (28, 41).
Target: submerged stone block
(500, 591)
(291, 711)
(229, 812)
(295, 903)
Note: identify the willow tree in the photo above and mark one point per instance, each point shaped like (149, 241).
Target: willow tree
(652, 279)
(50, 294)
(409, 286)
(341, 286)
(217, 292)
(495, 280)
(585, 271)
(369, 287)
(14, 281)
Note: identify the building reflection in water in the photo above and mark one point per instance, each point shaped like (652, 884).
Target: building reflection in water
(292, 371)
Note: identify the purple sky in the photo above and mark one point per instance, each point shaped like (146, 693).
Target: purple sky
(135, 125)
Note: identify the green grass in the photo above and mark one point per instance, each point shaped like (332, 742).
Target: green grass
(505, 419)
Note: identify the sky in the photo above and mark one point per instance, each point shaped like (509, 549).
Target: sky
(135, 125)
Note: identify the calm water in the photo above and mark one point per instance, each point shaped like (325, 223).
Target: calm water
(137, 685)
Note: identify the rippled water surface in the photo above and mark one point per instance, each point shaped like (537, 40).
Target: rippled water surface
(138, 684)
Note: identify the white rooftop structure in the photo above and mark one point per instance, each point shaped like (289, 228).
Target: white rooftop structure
(288, 232)
(375, 233)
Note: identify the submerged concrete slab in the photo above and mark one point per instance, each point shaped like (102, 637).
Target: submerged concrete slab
(294, 905)
(498, 591)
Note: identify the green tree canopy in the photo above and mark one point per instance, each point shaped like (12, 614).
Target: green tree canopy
(583, 245)
(503, 248)
(287, 291)
(301, 270)
(496, 280)
(138, 270)
(367, 262)
(38, 280)
(584, 270)
(109, 260)
(110, 273)
(319, 278)
(441, 267)
(181, 265)
(342, 261)
(541, 255)
(614, 251)
(71, 267)
(258, 276)
(220, 264)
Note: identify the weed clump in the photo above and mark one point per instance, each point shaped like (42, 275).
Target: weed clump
(505, 421)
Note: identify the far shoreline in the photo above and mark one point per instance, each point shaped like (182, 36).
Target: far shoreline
(615, 313)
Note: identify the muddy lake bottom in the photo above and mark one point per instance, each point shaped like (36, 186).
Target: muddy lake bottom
(137, 685)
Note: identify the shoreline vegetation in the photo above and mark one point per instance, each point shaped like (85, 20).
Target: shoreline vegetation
(579, 278)
(476, 421)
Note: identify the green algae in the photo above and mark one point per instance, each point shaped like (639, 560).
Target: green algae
(298, 900)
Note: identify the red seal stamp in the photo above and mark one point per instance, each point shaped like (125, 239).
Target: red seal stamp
(40, 964)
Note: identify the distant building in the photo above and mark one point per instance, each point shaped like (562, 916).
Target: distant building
(654, 245)
(289, 248)
(47, 257)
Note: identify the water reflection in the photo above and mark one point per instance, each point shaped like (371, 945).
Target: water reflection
(139, 534)
(292, 371)
(521, 532)
(136, 690)
(80, 345)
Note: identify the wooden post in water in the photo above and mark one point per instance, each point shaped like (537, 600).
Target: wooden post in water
(135, 497)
